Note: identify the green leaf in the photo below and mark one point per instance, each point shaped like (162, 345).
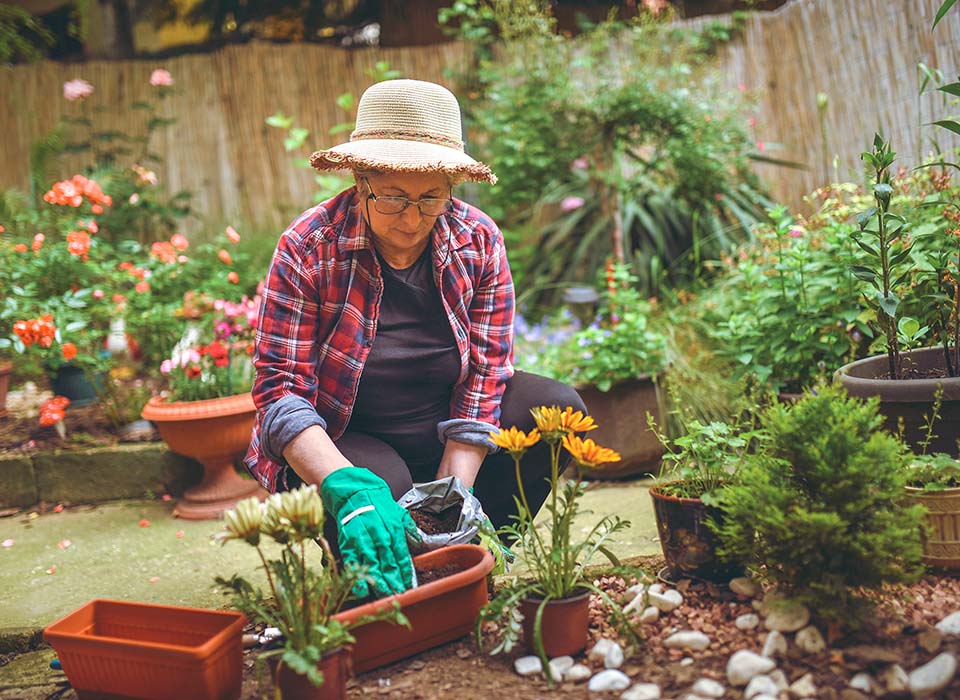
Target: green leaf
(345, 101)
(908, 326)
(279, 120)
(867, 247)
(950, 125)
(951, 89)
(944, 8)
(889, 304)
(863, 272)
(863, 218)
(295, 138)
(340, 128)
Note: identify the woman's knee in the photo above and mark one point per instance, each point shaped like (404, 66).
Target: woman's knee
(526, 390)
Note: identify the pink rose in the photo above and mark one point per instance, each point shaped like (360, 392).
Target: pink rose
(161, 78)
(571, 203)
(134, 198)
(233, 235)
(166, 367)
(98, 294)
(78, 89)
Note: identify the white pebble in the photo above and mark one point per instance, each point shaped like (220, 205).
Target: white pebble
(862, 682)
(804, 687)
(614, 657)
(528, 665)
(810, 640)
(666, 601)
(761, 685)
(642, 691)
(787, 617)
(686, 661)
(950, 625)
(745, 587)
(559, 665)
(744, 665)
(708, 688)
(600, 649)
(779, 679)
(656, 588)
(650, 615)
(934, 675)
(636, 604)
(634, 590)
(894, 679)
(577, 673)
(611, 679)
(695, 641)
(747, 622)
(774, 645)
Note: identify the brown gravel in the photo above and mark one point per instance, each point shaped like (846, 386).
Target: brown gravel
(902, 628)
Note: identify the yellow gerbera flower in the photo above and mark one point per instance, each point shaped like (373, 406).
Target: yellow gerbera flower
(575, 421)
(515, 441)
(588, 454)
(555, 424)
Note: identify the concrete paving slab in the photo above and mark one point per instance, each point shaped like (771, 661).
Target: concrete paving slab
(174, 562)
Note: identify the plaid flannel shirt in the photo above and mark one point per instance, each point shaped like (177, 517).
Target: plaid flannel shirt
(319, 316)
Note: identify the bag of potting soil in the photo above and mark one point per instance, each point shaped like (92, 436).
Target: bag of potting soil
(446, 512)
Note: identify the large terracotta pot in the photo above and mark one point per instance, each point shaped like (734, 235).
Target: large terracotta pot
(688, 543)
(215, 432)
(621, 415)
(941, 541)
(564, 624)
(5, 370)
(114, 649)
(439, 611)
(909, 399)
(335, 667)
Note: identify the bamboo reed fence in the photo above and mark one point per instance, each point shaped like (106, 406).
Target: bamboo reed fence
(862, 54)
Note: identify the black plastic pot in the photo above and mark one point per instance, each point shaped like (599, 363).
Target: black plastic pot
(73, 383)
(909, 400)
(688, 543)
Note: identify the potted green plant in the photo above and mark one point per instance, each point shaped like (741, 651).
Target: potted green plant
(313, 660)
(906, 379)
(208, 411)
(554, 600)
(688, 495)
(819, 508)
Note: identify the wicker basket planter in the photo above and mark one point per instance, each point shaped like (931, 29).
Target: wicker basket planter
(941, 541)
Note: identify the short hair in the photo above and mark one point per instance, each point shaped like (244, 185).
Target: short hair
(453, 179)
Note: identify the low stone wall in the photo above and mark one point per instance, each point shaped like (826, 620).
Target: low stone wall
(94, 475)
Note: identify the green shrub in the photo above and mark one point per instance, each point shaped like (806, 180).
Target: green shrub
(820, 510)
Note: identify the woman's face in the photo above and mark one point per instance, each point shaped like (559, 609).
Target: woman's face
(402, 236)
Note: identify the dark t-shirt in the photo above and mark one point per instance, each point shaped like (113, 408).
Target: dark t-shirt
(409, 375)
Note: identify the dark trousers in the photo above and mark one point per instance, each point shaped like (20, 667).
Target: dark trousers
(496, 483)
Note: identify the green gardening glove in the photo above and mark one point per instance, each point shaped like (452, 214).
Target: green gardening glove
(372, 529)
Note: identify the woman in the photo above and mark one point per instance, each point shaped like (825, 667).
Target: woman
(385, 338)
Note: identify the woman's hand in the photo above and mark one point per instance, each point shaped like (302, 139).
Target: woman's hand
(462, 461)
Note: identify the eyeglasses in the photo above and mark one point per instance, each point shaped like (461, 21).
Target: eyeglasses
(428, 206)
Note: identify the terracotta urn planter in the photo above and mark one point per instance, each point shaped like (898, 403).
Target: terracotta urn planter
(439, 611)
(6, 369)
(621, 414)
(688, 543)
(335, 667)
(113, 648)
(564, 624)
(910, 399)
(941, 540)
(215, 432)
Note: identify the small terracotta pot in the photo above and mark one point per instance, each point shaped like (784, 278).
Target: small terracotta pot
(113, 648)
(564, 624)
(215, 432)
(335, 667)
(688, 543)
(941, 541)
(439, 611)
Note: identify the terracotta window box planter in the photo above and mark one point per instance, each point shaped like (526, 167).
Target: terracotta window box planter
(112, 648)
(439, 611)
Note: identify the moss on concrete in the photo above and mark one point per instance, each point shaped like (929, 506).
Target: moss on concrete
(18, 485)
(100, 474)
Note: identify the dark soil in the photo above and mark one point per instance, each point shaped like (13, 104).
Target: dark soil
(430, 575)
(437, 523)
(86, 426)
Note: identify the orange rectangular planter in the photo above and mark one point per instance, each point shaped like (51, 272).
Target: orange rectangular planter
(118, 649)
(439, 611)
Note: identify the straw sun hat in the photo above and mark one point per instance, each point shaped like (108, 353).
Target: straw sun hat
(406, 126)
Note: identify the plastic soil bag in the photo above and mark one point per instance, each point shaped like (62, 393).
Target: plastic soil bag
(445, 513)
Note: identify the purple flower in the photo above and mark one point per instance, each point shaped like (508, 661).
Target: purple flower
(796, 232)
(571, 203)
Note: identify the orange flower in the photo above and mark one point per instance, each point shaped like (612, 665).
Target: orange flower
(36, 330)
(142, 287)
(232, 234)
(587, 453)
(54, 410)
(225, 257)
(233, 277)
(78, 243)
(575, 421)
(20, 247)
(38, 241)
(179, 241)
(69, 351)
(515, 441)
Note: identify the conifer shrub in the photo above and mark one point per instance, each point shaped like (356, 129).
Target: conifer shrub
(820, 509)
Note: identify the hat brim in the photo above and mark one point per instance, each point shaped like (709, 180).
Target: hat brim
(396, 155)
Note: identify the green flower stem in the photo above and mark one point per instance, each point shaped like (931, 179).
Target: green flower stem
(266, 568)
